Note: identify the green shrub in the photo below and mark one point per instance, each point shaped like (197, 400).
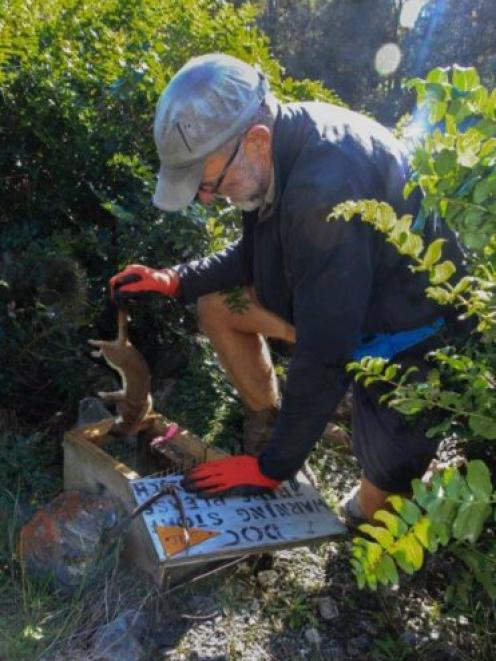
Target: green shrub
(79, 81)
(455, 166)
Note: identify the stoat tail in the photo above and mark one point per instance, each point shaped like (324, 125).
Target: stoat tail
(122, 321)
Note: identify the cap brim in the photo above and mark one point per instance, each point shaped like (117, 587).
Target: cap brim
(176, 188)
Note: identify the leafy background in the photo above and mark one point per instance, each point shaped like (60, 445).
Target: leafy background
(78, 82)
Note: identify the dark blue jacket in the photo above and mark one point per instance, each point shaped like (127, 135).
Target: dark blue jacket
(332, 280)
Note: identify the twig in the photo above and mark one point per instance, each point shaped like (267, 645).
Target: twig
(199, 617)
(206, 574)
(165, 490)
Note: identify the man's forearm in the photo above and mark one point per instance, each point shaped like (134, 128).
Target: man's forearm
(299, 426)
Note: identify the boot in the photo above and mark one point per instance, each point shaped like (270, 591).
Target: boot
(257, 430)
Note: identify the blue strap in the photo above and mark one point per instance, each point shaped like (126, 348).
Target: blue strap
(418, 224)
(387, 345)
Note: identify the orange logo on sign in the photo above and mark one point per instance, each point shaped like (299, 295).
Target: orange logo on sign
(174, 538)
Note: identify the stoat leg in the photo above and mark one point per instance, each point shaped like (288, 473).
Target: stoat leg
(96, 343)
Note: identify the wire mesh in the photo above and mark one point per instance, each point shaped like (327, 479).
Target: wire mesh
(136, 453)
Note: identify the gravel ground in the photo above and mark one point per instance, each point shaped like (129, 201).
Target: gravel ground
(294, 604)
(304, 604)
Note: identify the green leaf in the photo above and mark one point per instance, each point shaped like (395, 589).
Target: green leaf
(445, 162)
(465, 79)
(433, 253)
(484, 427)
(473, 218)
(462, 285)
(408, 553)
(408, 511)
(359, 574)
(443, 510)
(475, 241)
(391, 372)
(437, 111)
(435, 92)
(412, 245)
(385, 218)
(418, 84)
(438, 75)
(393, 523)
(442, 296)
(409, 406)
(468, 148)
(450, 122)
(119, 212)
(442, 272)
(423, 495)
(484, 189)
(425, 531)
(477, 564)
(450, 398)
(454, 484)
(470, 520)
(479, 479)
(379, 533)
(387, 573)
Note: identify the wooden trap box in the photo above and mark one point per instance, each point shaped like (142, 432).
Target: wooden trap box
(219, 528)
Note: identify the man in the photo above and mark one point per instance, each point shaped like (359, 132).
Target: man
(320, 285)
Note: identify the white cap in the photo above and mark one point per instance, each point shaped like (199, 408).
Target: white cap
(209, 101)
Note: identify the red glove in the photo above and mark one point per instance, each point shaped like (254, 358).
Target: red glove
(137, 279)
(239, 475)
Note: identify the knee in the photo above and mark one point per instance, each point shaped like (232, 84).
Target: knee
(211, 312)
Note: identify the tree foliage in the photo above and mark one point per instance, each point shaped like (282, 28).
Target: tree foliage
(452, 512)
(79, 83)
(469, 41)
(337, 41)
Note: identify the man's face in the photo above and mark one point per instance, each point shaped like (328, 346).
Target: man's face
(242, 175)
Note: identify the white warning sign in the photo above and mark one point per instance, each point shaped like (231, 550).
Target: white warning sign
(227, 526)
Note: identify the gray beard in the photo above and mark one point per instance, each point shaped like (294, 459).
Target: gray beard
(248, 205)
(255, 201)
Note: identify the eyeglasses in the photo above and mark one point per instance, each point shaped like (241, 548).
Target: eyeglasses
(213, 189)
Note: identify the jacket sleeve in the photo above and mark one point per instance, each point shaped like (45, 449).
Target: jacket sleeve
(332, 267)
(222, 270)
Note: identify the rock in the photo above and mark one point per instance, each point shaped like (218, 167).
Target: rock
(237, 646)
(203, 605)
(333, 651)
(370, 627)
(358, 645)
(412, 638)
(313, 636)
(328, 608)
(121, 639)
(268, 578)
(63, 541)
(168, 633)
(261, 562)
(254, 605)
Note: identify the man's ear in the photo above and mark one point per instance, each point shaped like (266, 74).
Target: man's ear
(259, 139)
